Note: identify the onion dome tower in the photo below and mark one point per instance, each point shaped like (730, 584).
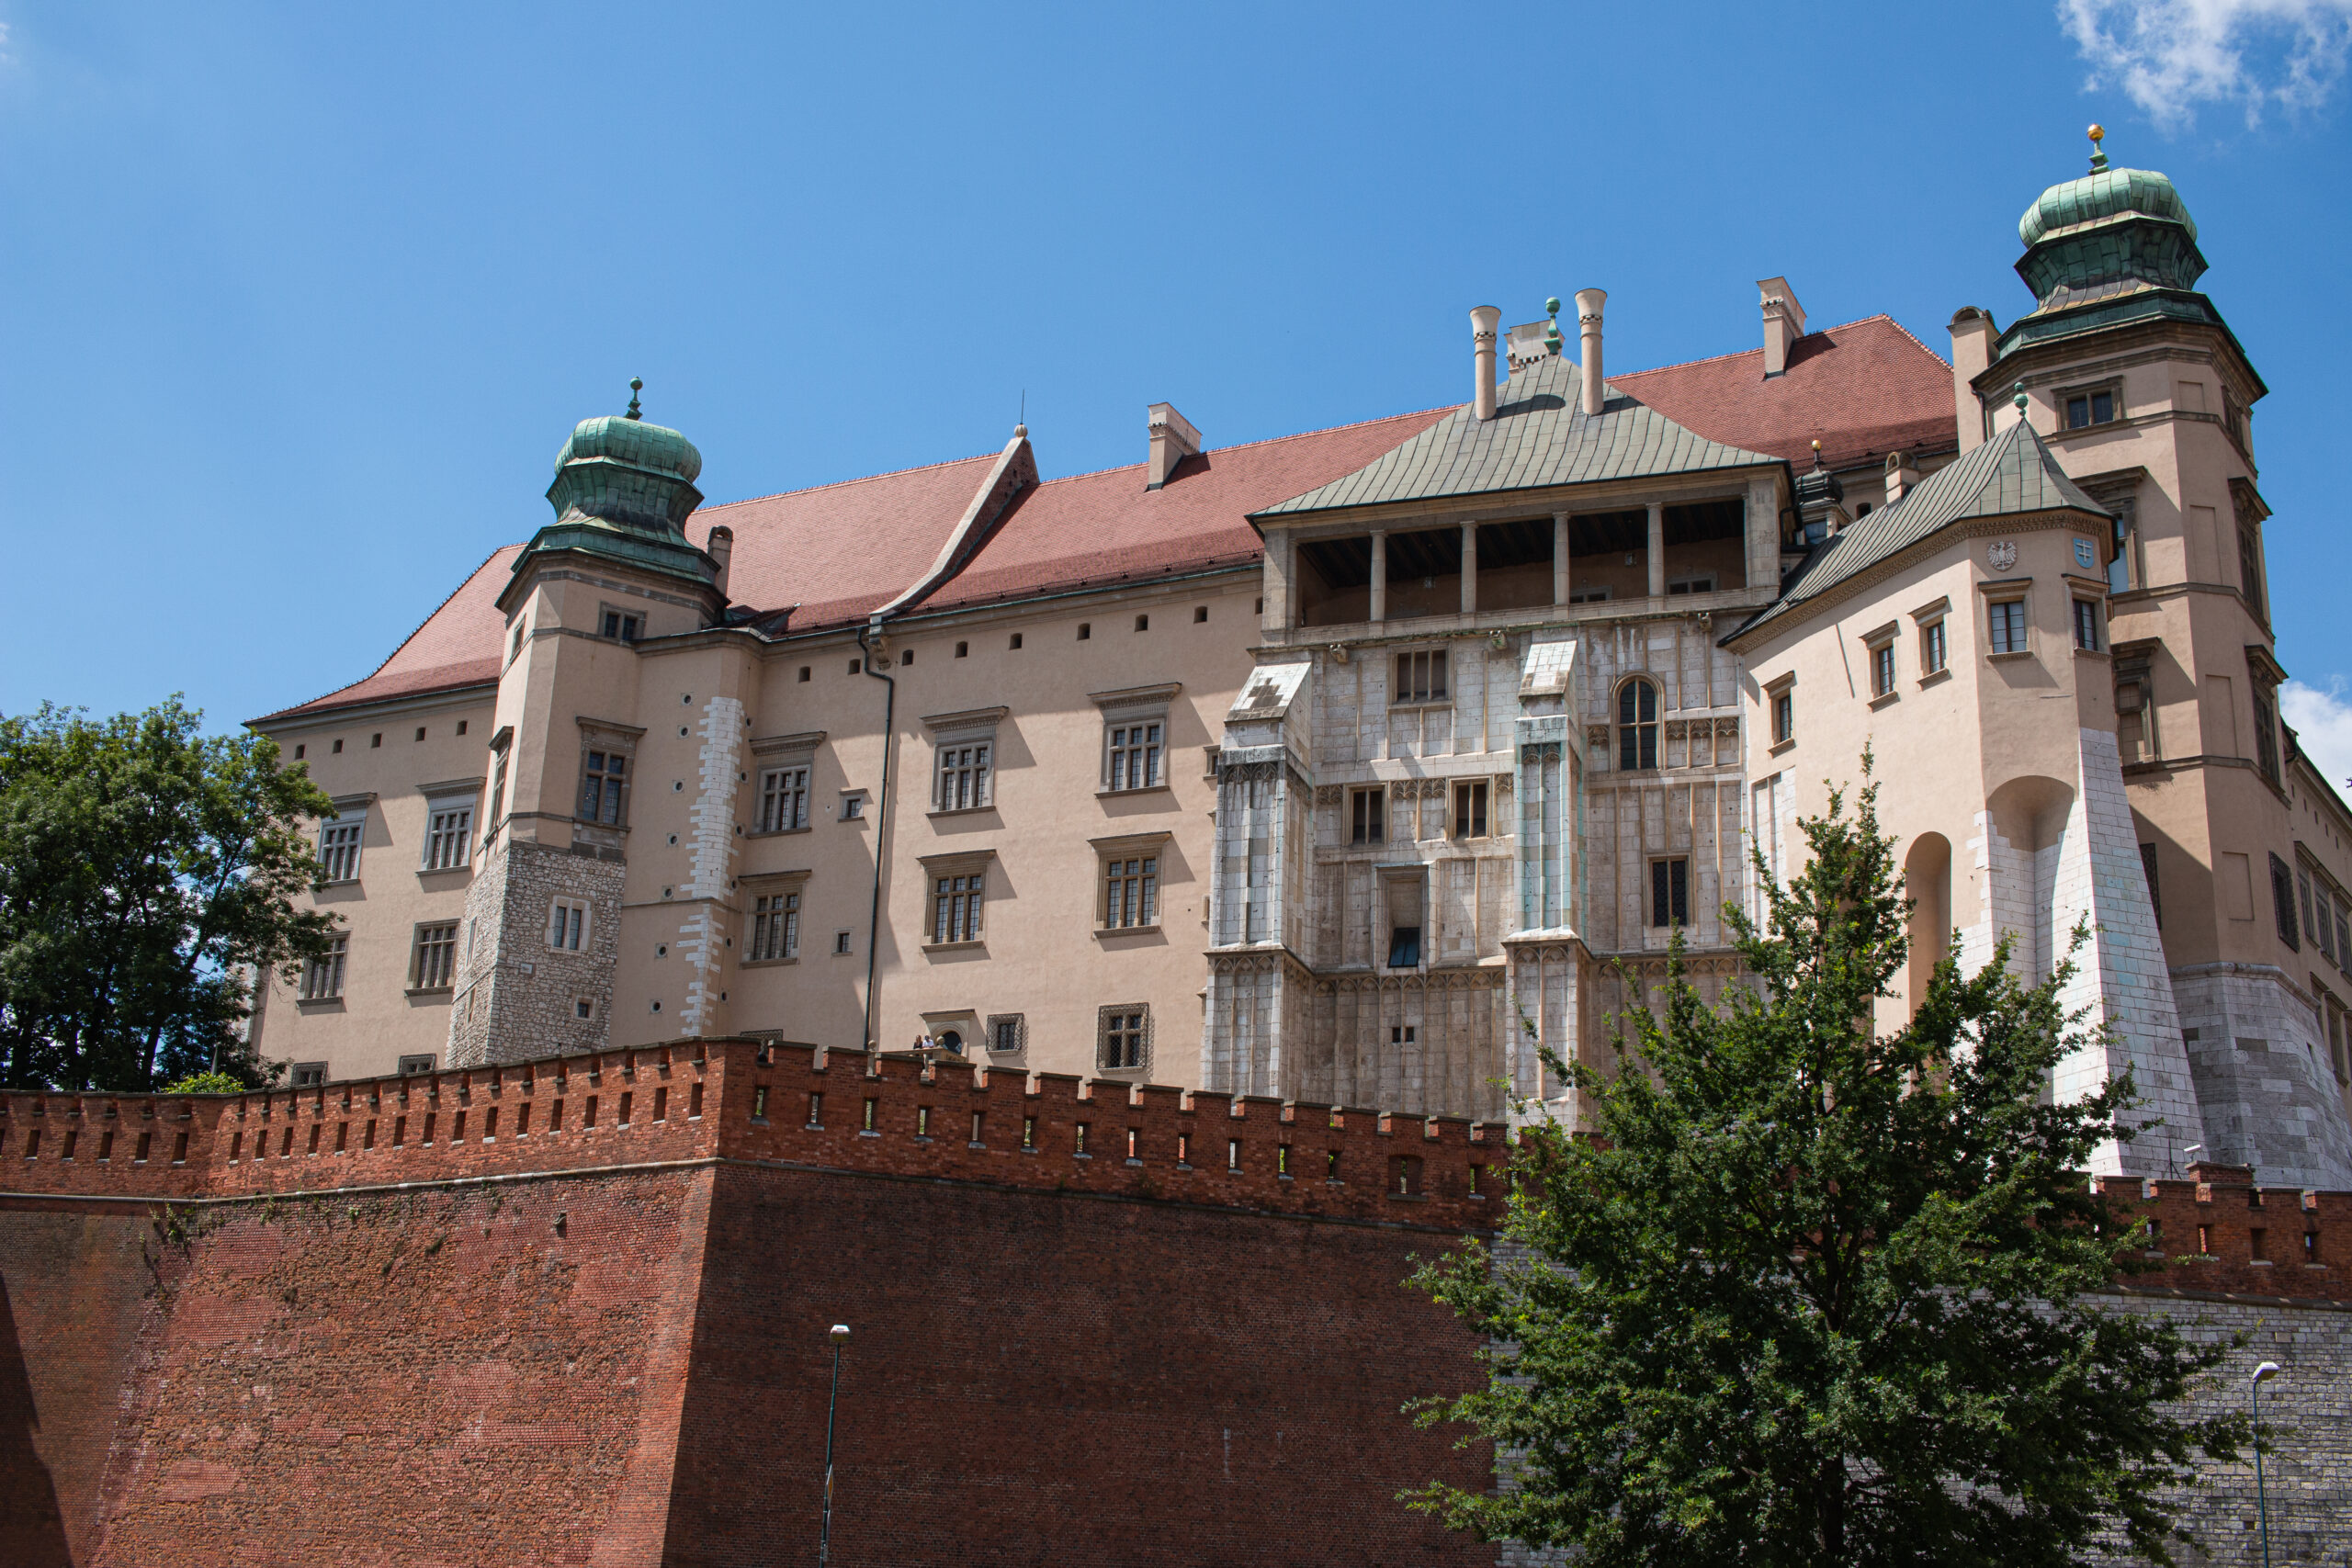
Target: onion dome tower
(2112, 246)
(623, 491)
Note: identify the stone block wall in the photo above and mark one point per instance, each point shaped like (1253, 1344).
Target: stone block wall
(2260, 1068)
(518, 998)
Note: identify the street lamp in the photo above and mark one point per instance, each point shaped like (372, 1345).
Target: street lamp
(825, 1530)
(2262, 1374)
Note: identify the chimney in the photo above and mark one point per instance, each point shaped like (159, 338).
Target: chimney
(1174, 439)
(1783, 323)
(1971, 352)
(1484, 321)
(1902, 473)
(721, 547)
(1588, 304)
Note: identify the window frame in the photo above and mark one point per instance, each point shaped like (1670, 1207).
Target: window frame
(1691, 582)
(2090, 393)
(430, 940)
(1131, 1023)
(1932, 631)
(2001, 597)
(785, 784)
(1473, 803)
(1367, 815)
(1421, 678)
(2086, 618)
(1646, 735)
(575, 930)
(442, 801)
(1388, 933)
(780, 926)
(1669, 892)
(955, 895)
(1884, 663)
(350, 818)
(963, 747)
(324, 976)
(1143, 890)
(614, 742)
(615, 623)
(994, 1027)
(1781, 712)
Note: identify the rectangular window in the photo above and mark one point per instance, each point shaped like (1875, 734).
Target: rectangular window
(2265, 729)
(1007, 1032)
(410, 1066)
(2250, 565)
(601, 783)
(1670, 892)
(2005, 624)
(2086, 409)
(436, 967)
(1135, 756)
(449, 835)
(1370, 808)
(840, 943)
(1882, 669)
(1131, 897)
(955, 908)
(775, 928)
(2282, 902)
(323, 978)
(1784, 716)
(622, 627)
(2148, 865)
(498, 790)
(1703, 583)
(2086, 626)
(568, 924)
(1420, 677)
(339, 846)
(1470, 809)
(309, 1075)
(1403, 898)
(1122, 1037)
(963, 776)
(784, 800)
(1932, 652)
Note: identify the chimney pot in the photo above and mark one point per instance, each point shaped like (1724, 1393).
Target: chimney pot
(1485, 321)
(1972, 354)
(1174, 439)
(1902, 473)
(1588, 304)
(1783, 322)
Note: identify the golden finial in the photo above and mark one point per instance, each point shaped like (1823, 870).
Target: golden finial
(2098, 134)
(2098, 154)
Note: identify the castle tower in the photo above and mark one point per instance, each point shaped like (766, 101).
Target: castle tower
(2146, 397)
(540, 940)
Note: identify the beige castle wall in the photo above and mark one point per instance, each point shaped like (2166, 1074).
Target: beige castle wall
(378, 1021)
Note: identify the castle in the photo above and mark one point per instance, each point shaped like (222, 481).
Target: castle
(1347, 767)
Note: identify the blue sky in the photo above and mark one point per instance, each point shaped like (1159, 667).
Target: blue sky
(299, 301)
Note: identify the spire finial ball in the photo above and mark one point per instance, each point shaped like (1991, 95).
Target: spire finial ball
(2020, 400)
(635, 387)
(1552, 306)
(2097, 134)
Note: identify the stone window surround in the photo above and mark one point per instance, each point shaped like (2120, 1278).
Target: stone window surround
(2006, 591)
(443, 796)
(1443, 647)
(416, 959)
(604, 735)
(2110, 384)
(1103, 1017)
(1774, 689)
(757, 885)
(958, 862)
(968, 726)
(1873, 641)
(1126, 846)
(1135, 705)
(772, 753)
(363, 803)
(964, 1021)
(1934, 615)
(1387, 874)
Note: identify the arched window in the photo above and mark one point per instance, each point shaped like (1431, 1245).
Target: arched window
(1637, 725)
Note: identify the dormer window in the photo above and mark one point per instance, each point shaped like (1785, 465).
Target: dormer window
(622, 627)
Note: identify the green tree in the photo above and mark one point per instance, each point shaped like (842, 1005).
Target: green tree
(147, 873)
(1811, 1294)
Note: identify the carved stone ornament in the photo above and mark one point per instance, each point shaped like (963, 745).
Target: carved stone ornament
(1505, 783)
(1329, 794)
(1597, 736)
(2001, 555)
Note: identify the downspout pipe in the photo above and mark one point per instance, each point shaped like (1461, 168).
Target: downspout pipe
(873, 628)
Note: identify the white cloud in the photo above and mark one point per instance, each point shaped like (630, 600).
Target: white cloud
(2169, 56)
(2323, 725)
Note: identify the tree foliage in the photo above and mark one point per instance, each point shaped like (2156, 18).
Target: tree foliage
(1812, 1295)
(147, 873)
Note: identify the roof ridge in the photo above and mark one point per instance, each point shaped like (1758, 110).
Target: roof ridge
(843, 484)
(1818, 331)
(1264, 441)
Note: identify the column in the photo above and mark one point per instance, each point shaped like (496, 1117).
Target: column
(1379, 575)
(1657, 550)
(1469, 568)
(1559, 558)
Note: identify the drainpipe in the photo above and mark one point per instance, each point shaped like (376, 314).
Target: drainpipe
(881, 825)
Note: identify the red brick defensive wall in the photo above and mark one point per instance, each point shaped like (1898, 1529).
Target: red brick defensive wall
(574, 1312)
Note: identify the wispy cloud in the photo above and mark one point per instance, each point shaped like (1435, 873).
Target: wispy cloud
(2169, 56)
(2323, 724)
(5, 58)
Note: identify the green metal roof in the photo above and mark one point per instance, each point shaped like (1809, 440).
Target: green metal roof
(2104, 193)
(2011, 475)
(1540, 437)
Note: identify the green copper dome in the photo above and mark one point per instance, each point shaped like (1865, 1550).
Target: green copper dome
(623, 491)
(2104, 193)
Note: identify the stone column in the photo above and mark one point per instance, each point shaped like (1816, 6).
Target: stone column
(1469, 568)
(1559, 558)
(1379, 575)
(1657, 550)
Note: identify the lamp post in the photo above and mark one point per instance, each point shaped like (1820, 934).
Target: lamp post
(2262, 1374)
(832, 1402)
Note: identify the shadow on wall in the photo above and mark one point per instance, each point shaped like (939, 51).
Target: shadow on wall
(2029, 815)
(32, 1531)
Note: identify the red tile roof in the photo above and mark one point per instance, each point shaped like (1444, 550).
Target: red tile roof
(1110, 527)
(833, 553)
(1862, 390)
